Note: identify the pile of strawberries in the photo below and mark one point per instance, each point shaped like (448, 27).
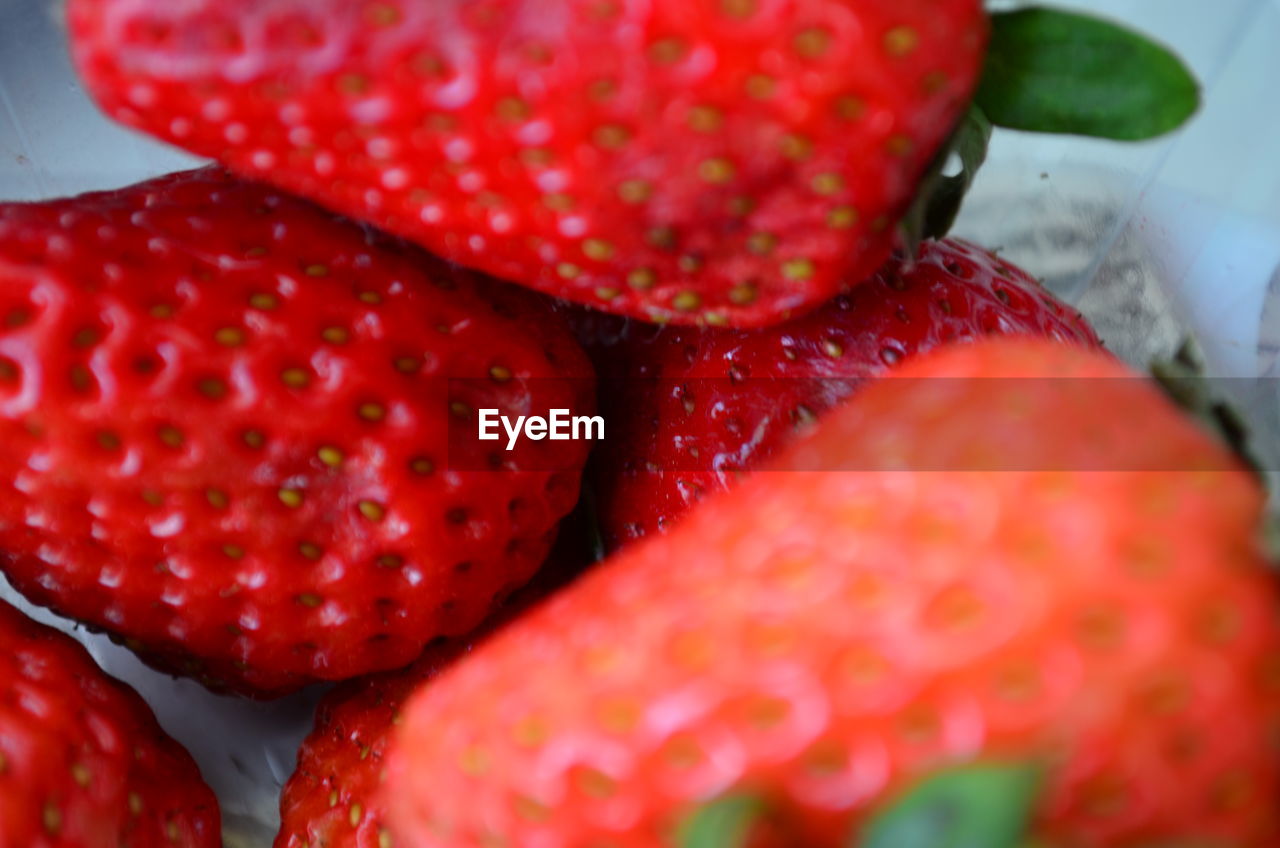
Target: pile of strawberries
(922, 565)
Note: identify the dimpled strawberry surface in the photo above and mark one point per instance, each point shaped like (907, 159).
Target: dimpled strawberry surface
(227, 421)
(708, 161)
(83, 763)
(1041, 584)
(692, 410)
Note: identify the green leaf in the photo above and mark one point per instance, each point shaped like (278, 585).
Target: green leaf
(1062, 72)
(940, 196)
(724, 823)
(985, 805)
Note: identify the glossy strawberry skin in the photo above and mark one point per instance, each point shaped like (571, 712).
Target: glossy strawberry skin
(691, 409)
(823, 638)
(332, 799)
(234, 431)
(83, 763)
(694, 161)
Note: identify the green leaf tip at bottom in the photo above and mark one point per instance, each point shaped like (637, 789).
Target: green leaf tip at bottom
(1062, 72)
(726, 822)
(983, 805)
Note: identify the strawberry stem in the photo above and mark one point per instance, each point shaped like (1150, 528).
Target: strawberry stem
(941, 194)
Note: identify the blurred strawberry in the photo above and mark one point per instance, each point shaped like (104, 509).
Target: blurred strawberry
(83, 763)
(233, 430)
(1014, 550)
(691, 409)
(708, 161)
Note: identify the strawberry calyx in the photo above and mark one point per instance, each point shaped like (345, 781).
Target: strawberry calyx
(937, 203)
(735, 821)
(987, 804)
(1053, 71)
(978, 805)
(1182, 378)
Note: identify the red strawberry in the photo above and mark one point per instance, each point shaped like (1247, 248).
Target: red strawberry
(83, 763)
(331, 799)
(970, 567)
(225, 422)
(691, 409)
(710, 161)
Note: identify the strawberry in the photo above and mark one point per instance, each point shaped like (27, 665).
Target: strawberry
(957, 565)
(331, 799)
(83, 763)
(691, 409)
(234, 429)
(709, 161)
